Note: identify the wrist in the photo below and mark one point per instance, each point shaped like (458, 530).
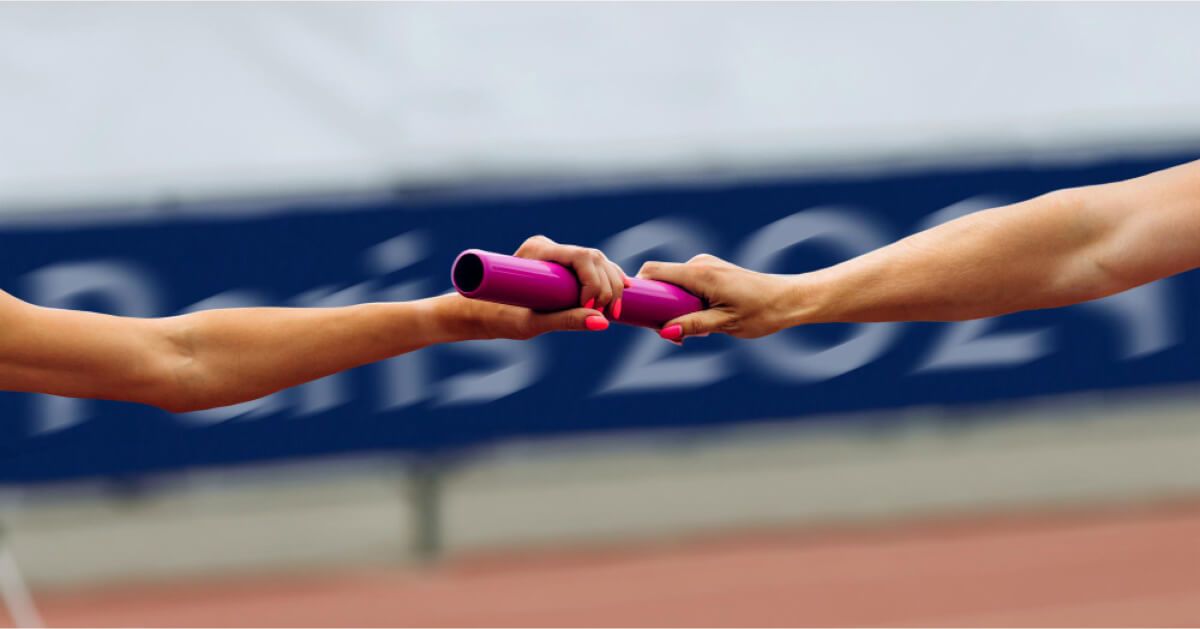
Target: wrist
(453, 318)
(804, 298)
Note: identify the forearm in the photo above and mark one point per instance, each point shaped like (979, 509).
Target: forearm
(1042, 253)
(218, 357)
(228, 356)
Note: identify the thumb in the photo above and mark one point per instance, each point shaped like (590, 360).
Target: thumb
(700, 323)
(574, 319)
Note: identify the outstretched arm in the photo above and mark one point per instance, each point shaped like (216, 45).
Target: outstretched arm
(220, 357)
(1054, 250)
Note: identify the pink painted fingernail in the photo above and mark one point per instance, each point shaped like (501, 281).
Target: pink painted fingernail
(672, 332)
(616, 308)
(596, 323)
(589, 303)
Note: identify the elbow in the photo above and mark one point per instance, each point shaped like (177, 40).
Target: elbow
(172, 406)
(1096, 263)
(178, 392)
(183, 388)
(182, 382)
(182, 402)
(177, 402)
(1108, 274)
(176, 383)
(174, 392)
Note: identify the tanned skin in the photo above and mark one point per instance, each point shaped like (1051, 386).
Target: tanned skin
(1058, 249)
(220, 357)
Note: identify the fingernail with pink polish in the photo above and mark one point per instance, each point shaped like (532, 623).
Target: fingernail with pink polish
(589, 303)
(616, 308)
(672, 332)
(596, 323)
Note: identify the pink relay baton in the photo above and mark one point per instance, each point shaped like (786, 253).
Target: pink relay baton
(548, 286)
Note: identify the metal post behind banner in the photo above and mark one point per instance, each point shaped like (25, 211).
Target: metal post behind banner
(426, 475)
(15, 593)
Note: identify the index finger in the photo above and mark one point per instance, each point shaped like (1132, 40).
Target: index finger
(687, 276)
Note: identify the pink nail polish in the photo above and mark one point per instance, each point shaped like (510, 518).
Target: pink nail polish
(596, 323)
(589, 303)
(616, 308)
(672, 332)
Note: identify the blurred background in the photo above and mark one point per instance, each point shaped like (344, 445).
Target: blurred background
(1038, 469)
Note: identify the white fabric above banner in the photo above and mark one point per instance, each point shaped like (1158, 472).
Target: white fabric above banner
(136, 103)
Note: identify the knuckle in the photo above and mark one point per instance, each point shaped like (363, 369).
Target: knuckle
(702, 258)
(533, 242)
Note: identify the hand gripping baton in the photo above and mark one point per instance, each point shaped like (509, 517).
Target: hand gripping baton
(548, 286)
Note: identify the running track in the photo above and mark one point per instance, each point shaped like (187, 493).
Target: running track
(1099, 569)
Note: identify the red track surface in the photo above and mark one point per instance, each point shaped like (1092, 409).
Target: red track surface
(1099, 570)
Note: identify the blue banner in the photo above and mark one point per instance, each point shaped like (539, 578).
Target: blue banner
(314, 253)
